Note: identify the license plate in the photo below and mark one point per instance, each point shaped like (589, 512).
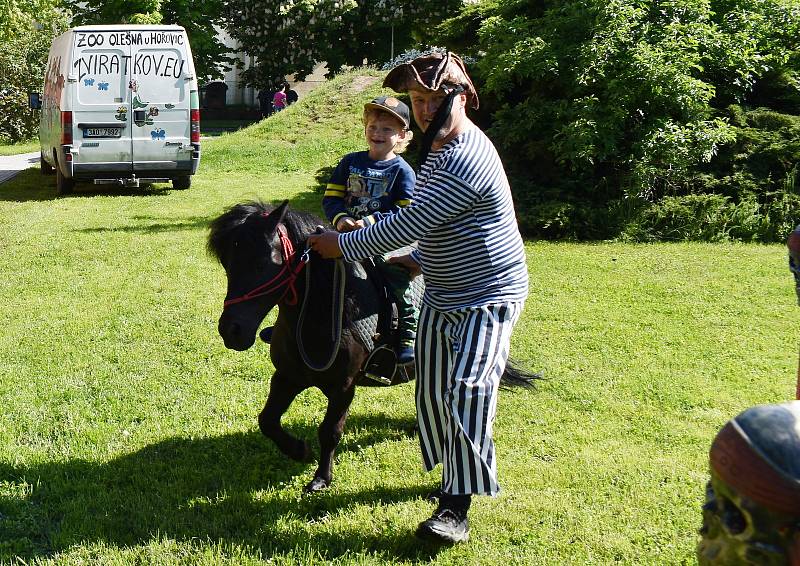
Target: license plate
(102, 132)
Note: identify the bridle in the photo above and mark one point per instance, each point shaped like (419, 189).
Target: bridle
(285, 280)
(286, 277)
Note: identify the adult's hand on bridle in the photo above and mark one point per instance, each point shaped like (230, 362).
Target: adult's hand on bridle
(326, 244)
(408, 262)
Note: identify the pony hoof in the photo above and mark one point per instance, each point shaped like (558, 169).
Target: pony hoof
(315, 485)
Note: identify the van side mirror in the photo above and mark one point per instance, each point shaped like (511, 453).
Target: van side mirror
(35, 100)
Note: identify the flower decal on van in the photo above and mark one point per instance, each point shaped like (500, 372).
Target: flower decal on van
(102, 86)
(88, 82)
(122, 114)
(158, 134)
(153, 111)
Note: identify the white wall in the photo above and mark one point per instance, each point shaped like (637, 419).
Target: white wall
(237, 94)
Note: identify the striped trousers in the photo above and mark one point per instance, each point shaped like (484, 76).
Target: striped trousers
(460, 357)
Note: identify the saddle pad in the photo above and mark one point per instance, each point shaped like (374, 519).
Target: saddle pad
(367, 327)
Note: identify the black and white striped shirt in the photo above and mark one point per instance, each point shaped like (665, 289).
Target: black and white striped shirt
(462, 214)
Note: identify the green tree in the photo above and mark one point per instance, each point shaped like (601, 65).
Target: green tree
(202, 20)
(116, 11)
(291, 37)
(199, 17)
(26, 32)
(604, 107)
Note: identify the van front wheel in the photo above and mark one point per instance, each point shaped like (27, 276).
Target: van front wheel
(47, 169)
(64, 185)
(181, 183)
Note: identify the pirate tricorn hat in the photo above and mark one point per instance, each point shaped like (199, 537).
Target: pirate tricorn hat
(430, 73)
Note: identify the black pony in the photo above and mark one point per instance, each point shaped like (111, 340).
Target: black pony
(263, 251)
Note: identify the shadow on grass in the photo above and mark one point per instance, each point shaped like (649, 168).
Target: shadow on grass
(31, 185)
(197, 489)
(307, 201)
(152, 225)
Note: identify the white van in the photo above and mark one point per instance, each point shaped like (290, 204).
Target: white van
(120, 105)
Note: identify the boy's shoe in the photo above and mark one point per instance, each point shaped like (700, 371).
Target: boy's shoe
(448, 524)
(405, 354)
(266, 334)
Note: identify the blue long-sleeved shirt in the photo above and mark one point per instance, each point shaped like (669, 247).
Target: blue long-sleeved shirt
(363, 188)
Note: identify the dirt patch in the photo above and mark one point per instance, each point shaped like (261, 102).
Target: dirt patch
(360, 83)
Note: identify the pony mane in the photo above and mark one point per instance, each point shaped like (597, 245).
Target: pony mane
(300, 224)
(233, 225)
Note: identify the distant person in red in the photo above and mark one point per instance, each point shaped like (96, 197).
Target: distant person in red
(279, 99)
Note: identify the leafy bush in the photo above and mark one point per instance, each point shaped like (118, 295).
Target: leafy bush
(20, 60)
(25, 37)
(692, 217)
(715, 218)
(619, 107)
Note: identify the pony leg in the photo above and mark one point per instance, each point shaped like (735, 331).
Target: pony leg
(330, 433)
(282, 392)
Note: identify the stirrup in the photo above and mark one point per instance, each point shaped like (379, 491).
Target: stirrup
(379, 378)
(381, 361)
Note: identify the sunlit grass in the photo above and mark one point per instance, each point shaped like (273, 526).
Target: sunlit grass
(128, 431)
(16, 148)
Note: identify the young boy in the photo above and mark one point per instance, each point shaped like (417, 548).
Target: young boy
(368, 185)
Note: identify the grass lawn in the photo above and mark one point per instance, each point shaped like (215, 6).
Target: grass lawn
(128, 432)
(21, 147)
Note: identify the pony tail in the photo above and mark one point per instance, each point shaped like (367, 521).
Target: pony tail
(517, 376)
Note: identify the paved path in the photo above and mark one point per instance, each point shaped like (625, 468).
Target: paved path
(10, 165)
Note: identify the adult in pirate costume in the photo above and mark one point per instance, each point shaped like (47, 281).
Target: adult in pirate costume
(752, 510)
(471, 254)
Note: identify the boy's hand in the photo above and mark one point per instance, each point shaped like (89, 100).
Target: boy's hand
(347, 224)
(326, 244)
(408, 262)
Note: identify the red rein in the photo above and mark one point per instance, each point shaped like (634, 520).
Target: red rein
(285, 277)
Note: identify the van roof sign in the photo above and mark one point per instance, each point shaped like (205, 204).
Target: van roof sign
(128, 27)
